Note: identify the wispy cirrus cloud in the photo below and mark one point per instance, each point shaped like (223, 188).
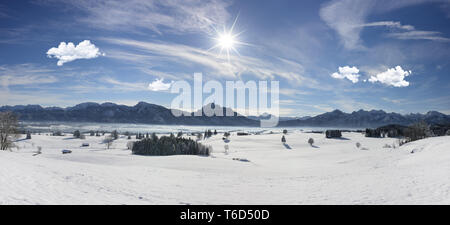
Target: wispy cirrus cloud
(349, 17)
(3, 12)
(123, 85)
(156, 15)
(217, 66)
(25, 74)
(419, 35)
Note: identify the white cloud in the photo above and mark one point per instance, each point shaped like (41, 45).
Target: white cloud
(69, 52)
(157, 15)
(216, 65)
(159, 85)
(419, 35)
(392, 77)
(348, 18)
(391, 24)
(122, 86)
(351, 73)
(25, 74)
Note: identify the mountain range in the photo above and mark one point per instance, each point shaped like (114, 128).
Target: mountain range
(147, 113)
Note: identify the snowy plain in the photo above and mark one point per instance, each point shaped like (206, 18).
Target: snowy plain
(332, 171)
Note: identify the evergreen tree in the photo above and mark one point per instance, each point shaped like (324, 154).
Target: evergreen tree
(154, 137)
(310, 141)
(77, 134)
(115, 135)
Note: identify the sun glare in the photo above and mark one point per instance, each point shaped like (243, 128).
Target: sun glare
(227, 41)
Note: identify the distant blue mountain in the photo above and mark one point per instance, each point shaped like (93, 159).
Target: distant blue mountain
(147, 113)
(362, 118)
(112, 113)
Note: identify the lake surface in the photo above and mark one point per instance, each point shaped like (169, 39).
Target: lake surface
(149, 128)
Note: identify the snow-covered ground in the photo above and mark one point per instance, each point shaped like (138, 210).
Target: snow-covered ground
(333, 171)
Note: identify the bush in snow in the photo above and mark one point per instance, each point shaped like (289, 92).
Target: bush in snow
(358, 145)
(170, 145)
(310, 141)
(285, 131)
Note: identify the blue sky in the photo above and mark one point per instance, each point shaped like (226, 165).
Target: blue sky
(348, 55)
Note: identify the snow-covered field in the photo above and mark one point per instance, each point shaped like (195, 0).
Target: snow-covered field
(334, 171)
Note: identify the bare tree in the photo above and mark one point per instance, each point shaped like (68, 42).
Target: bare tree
(8, 129)
(108, 141)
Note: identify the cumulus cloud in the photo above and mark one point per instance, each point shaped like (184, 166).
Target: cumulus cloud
(350, 73)
(159, 85)
(67, 52)
(392, 77)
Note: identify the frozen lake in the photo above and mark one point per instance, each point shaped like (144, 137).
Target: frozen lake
(149, 128)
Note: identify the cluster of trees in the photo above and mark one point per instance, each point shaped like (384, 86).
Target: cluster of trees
(169, 145)
(57, 133)
(78, 134)
(333, 133)
(208, 134)
(417, 131)
(141, 136)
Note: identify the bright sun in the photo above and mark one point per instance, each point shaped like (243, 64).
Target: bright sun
(227, 41)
